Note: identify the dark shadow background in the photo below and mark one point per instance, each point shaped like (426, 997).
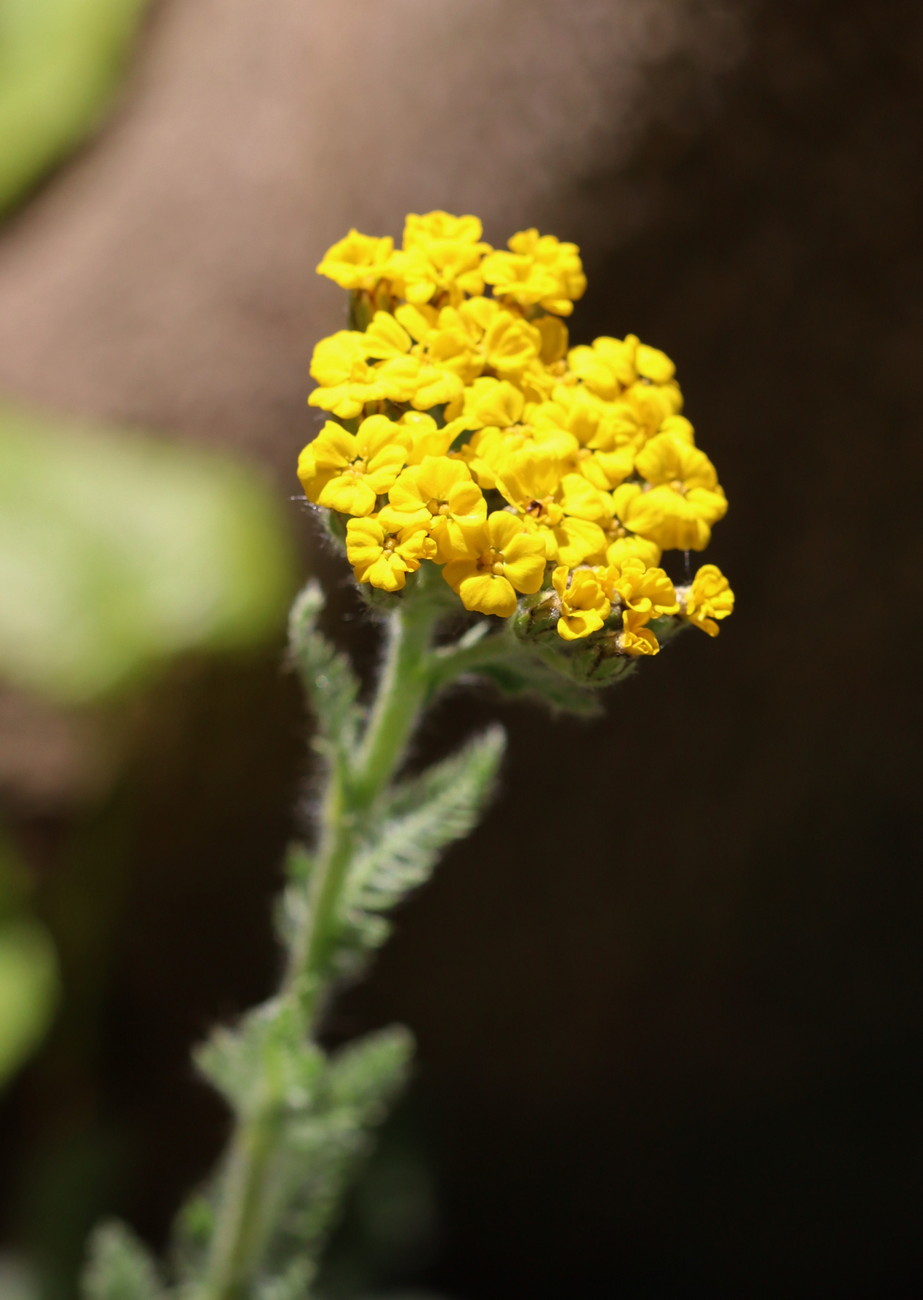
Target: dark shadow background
(668, 997)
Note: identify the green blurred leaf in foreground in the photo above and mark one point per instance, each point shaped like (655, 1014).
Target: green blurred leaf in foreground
(28, 979)
(27, 990)
(118, 551)
(60, 62)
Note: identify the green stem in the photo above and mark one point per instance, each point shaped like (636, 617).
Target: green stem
(466, 657)
(404, 686)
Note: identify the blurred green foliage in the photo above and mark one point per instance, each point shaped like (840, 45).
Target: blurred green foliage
(15, 1281)
(118, 551)
(27, 988)
(27, 973)
(60, 64)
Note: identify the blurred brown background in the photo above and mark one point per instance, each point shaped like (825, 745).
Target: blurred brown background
(668, 998)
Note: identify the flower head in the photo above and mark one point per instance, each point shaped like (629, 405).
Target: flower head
(467, 434)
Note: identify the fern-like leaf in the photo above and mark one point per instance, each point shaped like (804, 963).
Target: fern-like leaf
(326, 1138)
(268, 1048)
(329, 682)
(417, 821)
(119, 1267)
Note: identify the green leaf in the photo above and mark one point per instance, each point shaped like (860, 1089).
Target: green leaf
(60, 62)
(364, 1075)
(419, 819)
(268, 1051)
(328, 1137)
(28, 990)
(320, 1111)
(118, 551)
(119, 1267)
(330, 684)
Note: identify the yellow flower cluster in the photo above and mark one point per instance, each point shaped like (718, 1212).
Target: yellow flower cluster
(467, 433)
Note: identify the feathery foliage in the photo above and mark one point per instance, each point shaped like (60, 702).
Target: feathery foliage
(119, 1267)
(316, 1114)
(416, 821)
(329, 682)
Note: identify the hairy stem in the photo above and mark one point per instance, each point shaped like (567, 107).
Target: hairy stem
(470, 654)
(404, 685)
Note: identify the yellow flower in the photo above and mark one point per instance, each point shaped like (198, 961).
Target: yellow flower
(493, 402)
(641, 588)
(476, 334)
(495, 560)
(346, 379)
(636, 638)
(606, 367)
(420, 231)
(644, 592)
(441, 258)
(621, 540)
(495, 408)
(554, 339)
(348, 472)
(685, 498)
(538, 270)
(358, 261)
(679, 427)
(489, 450)
(430, 438)
(532, 483)
(584, 605)
(441, 494)
(507, 343)
(581, 500)
(650, 363)
(652, 404)
(411, 379)
(610, 367)
(708, 598)
(385, 338)
(586, 444)
(603, 469)
(382, 551)
(598, 424)
(405, 372)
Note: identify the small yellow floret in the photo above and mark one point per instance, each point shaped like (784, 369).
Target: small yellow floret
(499, 558)
(382, 551)
(636, 638)
(420, 231)
(685, 499)
(710, 597)
(441, 258)
(358, 261)
(538, 271)
(348, 471)
(346, 379)
(582, 602)
(644, 589)
(441, 494)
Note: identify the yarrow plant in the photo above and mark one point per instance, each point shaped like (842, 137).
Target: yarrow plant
(508, 505)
